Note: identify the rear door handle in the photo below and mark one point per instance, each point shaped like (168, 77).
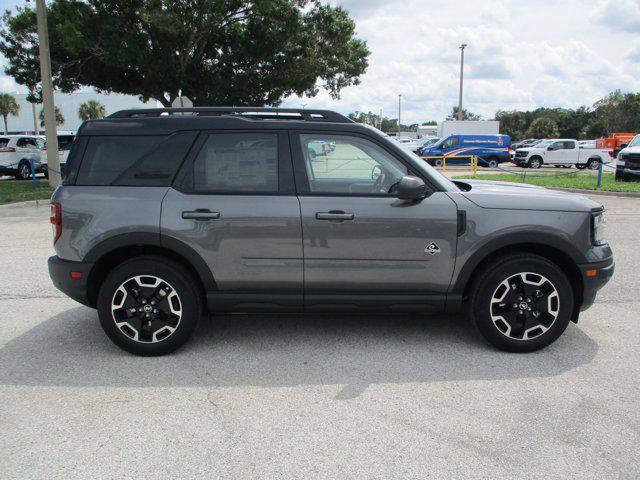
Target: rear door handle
(334, 215)
(201, 214)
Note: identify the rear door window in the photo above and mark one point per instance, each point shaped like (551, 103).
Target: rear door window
(236, 163)
(4, 142)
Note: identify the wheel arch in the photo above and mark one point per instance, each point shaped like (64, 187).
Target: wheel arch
(564, 255)
(113, 251)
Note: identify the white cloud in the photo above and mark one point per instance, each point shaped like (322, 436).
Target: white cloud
(618, 15)
(520, 55)
(512, 61)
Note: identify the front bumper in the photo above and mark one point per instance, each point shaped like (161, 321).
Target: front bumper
(594, 277)
(75, 286)
(630, 173)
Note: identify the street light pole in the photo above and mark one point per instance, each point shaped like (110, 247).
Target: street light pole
(462, 47)
(399, 112)
(53, 162)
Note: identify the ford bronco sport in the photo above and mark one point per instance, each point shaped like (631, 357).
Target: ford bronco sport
(169, 214)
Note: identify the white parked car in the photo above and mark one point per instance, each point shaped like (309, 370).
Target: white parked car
(412, 144)
(18, 151)
(561, 152)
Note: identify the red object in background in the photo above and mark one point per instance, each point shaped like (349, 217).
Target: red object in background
(617, 141)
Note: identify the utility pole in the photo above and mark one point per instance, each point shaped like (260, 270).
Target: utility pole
(53, 162)
(399, 111)
(462, 47)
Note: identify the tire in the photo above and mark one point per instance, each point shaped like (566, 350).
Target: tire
(173, 315)
(437, 162)
(534, 162)
(491, 162)
(526, 332)
(619, 175)
(581, 166)
(24, 171)
(592, 163)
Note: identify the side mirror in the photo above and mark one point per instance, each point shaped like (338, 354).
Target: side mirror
(411, 188)
(551, 148)
(376, 171)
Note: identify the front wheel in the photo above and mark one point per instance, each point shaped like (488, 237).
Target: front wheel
(149, 305)
(535, 162)
(521, 303)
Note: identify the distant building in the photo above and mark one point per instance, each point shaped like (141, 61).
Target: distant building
(69, 103)
(427, 131)
(468, 127)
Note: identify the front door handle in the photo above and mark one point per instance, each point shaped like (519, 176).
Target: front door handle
(201, 214)
(338, 215)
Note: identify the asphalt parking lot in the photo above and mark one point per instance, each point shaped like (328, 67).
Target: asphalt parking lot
(321, 397)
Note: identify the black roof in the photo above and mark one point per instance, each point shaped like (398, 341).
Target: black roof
(163, 121)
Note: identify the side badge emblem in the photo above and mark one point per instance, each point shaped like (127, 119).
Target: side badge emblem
(432, 249)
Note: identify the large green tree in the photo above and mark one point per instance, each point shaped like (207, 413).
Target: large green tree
(231, 52)
(8, 106)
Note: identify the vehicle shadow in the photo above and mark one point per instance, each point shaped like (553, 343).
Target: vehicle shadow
(71, 350)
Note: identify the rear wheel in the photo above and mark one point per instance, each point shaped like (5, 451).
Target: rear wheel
(24, 170)
(522, 303)
(149, 305)
(437, 162)
(593, 164)
(492, 162)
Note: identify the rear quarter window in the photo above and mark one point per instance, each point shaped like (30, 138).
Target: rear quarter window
(133, 160)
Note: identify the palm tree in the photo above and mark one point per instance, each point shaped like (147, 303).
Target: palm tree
(91, 110)
(8, 106)
(59, 117)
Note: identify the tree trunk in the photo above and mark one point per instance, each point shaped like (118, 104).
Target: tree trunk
(6, 129)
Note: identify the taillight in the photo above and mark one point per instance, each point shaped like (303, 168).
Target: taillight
(7, 150)
(56, 220)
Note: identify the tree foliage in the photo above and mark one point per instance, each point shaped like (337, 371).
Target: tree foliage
(8, 106)
(466, 115)
(617, 112)
(231, 52)
(543, 127)
(385, 124)
(90, 110)
(59, 117)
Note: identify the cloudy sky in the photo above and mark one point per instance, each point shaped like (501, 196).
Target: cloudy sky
(520, 55)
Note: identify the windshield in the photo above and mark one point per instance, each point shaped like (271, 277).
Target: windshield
(543, 143)
(635, 142)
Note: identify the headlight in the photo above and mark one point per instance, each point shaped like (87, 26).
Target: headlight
(597, 229)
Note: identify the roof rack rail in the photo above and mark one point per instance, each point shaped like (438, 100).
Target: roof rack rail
(257, 113)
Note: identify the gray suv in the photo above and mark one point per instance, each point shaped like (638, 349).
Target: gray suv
(169, 214)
